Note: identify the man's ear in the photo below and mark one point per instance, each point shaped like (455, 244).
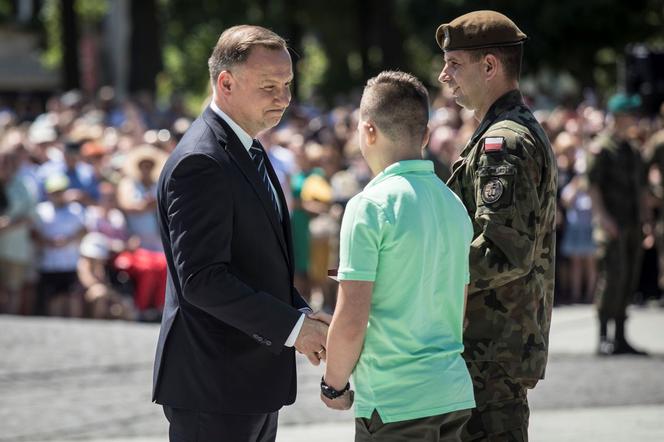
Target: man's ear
(225, 83)
(490, 65)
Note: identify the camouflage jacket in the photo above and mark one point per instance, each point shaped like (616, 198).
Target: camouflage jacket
(507, 179)
(616, 168)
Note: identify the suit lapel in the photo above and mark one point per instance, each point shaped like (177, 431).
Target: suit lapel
(241, 158)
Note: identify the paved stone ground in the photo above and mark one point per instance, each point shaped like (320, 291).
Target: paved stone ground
(73, 380)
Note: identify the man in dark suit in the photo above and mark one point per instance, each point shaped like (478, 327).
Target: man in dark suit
(225, 359)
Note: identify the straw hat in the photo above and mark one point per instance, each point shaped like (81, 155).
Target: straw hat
(42, 133)
(145, 152)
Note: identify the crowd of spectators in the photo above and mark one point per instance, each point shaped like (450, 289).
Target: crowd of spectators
(78, 232)
(78, 229)
(572, 132)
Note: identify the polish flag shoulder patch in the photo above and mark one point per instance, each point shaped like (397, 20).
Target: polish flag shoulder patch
(494, 144)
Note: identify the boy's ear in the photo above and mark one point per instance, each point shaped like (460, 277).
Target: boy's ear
(370, 132)
(427, 135)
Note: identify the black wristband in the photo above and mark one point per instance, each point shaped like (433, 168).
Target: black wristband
(330, 392)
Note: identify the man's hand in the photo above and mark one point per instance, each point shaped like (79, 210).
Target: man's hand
(343, 402)
(312, 340)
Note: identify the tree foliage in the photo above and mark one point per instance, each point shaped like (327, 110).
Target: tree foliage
(355, 39)
(338, 45)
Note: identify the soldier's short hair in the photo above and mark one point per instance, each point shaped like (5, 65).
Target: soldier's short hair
(235, 45)
(509, 56)
(398, 103)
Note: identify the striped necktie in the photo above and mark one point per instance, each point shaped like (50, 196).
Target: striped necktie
(258, 157)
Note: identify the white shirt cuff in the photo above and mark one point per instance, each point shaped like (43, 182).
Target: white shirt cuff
(296, 331)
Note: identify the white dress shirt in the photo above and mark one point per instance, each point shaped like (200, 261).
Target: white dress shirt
(247, 141)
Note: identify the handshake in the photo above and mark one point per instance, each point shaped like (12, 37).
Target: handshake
(312, 342)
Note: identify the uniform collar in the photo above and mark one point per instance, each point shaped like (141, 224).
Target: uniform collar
(242, 135)
(510, 100)
(507, 101)
(401, 168)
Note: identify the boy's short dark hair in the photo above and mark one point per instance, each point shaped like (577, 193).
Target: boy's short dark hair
(398, 103)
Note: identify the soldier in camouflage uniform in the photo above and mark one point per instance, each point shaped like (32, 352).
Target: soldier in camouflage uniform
(506, 178)
(654, 157)
(617, 180)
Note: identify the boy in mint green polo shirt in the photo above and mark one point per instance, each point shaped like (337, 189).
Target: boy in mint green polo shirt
(403, 269)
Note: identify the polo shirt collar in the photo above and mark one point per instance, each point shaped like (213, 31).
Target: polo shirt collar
(402, 168)
(243, 136)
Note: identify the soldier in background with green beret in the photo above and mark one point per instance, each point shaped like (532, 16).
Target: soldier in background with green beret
(617, 179)
(506, 177)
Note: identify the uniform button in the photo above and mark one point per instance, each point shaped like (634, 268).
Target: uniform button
(267, 342)
(259, 338)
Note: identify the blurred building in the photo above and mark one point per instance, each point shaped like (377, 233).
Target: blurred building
(23, 75)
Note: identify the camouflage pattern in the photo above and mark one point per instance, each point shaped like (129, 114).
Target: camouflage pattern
(502, 412)
(511, 197)
(619, 269)
(616, 169)
(654, 157)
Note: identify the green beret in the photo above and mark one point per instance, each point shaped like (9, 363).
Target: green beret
(479, 29)
(624, 104)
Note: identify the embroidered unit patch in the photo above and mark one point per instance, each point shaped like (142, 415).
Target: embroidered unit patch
(492, 191)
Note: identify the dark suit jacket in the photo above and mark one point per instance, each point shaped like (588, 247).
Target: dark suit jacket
(230, 300)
